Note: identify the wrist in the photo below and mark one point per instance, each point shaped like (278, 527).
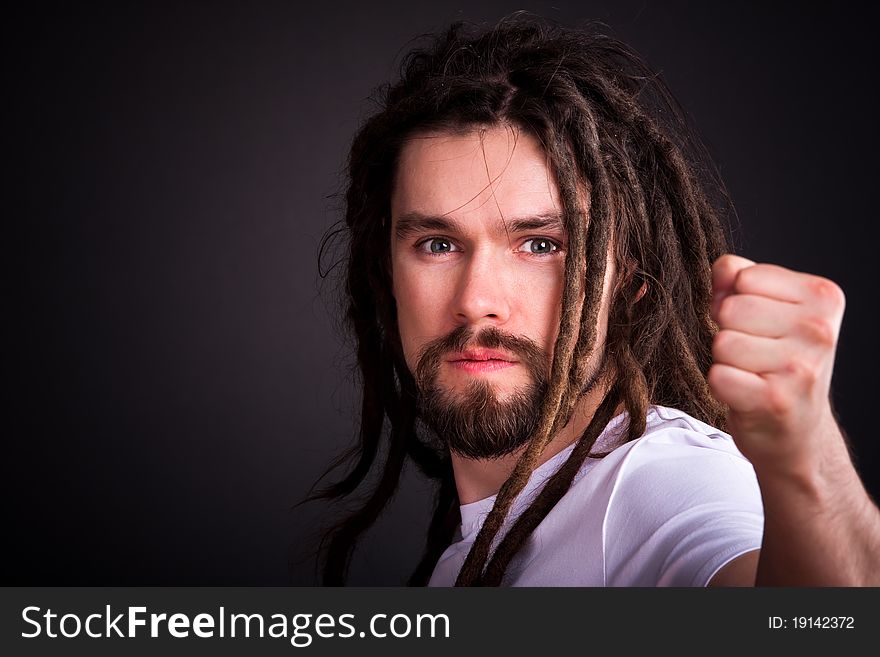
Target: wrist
(822, 476)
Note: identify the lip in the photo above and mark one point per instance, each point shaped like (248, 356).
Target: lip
(482, 354)
(481, 360)
(480, 366)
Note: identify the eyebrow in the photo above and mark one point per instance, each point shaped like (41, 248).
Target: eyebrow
(411, 223)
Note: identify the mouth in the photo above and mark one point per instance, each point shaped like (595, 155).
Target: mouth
(478, 361)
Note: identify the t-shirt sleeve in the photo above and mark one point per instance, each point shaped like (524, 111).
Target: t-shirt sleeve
(682, 506)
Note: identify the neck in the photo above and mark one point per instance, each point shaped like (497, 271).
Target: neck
(477, 479)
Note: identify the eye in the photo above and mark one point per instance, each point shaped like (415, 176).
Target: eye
(436, 246)
(540, 246)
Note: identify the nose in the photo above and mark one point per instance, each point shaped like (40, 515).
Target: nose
(483, 290)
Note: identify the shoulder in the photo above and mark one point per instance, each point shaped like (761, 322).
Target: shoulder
(684, 460)
(684, 494)
(675, 441)
(666, 425)
(675, 450)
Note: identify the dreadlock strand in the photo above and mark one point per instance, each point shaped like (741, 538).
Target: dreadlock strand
(550, 494)
(630, 385)
(572, 305)
(596, 239)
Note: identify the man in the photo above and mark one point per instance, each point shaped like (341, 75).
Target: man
(549, 326)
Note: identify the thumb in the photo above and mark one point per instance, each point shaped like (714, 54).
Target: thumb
(724, 272)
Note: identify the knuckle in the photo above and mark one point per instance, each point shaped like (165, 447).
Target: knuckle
(802, 371)
(819, 330)
(828, 291)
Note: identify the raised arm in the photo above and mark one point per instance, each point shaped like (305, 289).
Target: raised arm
(773, 360)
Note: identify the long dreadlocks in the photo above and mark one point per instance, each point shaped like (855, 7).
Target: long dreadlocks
(626, 164)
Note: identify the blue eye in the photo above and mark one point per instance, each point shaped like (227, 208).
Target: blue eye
(540, 246)
(436, 246)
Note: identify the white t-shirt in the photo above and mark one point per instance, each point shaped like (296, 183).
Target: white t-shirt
(668, 509)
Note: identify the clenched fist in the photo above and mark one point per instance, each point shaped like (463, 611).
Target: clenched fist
(773, 359)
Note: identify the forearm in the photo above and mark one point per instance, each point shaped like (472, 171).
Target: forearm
(821, 527)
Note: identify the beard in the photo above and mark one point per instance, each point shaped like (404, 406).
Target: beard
(473, 422)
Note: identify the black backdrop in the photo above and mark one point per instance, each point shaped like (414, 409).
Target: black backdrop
(177, 377)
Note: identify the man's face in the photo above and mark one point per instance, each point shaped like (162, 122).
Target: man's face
(477, 250)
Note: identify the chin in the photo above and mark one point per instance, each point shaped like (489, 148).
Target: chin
(500, 391)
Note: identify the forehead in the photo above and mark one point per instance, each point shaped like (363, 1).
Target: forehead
(484, 173)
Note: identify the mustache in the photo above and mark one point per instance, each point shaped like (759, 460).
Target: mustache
(463, 337)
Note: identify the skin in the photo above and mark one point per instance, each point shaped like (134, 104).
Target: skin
(489, 274)
(773, 355)
(773, 359)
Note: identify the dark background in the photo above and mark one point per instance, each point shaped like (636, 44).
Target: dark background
(177, 377)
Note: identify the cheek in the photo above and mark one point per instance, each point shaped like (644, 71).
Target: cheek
(419, 308)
